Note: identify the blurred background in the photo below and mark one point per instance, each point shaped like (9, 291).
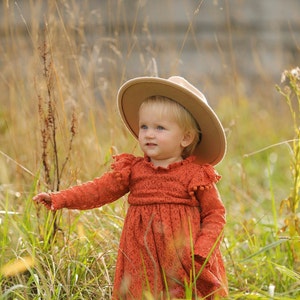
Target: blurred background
(76, 54)
(234, 45)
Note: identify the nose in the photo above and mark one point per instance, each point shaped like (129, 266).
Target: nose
(149, 133)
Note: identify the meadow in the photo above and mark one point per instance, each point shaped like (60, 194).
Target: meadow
(59, 127)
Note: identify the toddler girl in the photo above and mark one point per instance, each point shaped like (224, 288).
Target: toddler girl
(175, 220)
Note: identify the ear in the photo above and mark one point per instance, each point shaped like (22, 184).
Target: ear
(187, 139)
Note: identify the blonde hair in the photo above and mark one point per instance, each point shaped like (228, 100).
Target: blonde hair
(184, 119)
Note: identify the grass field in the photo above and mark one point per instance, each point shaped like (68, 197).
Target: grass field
(59, 127)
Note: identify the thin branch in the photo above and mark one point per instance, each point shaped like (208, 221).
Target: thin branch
(271, 146)
(18, 164)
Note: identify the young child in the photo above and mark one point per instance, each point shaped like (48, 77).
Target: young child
(175, 220)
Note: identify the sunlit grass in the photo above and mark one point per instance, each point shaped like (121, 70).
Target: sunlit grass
(77, 259)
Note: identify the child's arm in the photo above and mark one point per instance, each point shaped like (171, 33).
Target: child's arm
(212, 222)
(105, 189)
(96, 193)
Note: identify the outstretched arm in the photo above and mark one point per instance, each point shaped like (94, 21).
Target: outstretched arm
(105, 189)
(96, 193)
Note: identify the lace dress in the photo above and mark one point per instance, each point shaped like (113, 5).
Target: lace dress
(172, 229)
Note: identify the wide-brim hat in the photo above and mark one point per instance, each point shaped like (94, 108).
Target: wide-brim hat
(132, 93)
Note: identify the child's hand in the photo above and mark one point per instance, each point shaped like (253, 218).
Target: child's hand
(45, 199)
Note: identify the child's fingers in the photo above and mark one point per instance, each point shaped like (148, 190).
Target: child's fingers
(36, 198)
(47, 205)
(45, 199)
(42, 198)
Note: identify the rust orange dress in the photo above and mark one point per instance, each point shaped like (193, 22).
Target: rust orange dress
(172, 231)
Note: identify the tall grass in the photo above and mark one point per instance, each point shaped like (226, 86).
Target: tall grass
(290, 205)
(59, 126)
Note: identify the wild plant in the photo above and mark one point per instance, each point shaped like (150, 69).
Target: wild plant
(290, 90)
(53, 166)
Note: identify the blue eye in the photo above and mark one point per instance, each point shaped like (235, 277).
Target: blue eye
(143, 127)
(160, 128)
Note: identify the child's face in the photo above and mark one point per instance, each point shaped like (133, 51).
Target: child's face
(160, 137)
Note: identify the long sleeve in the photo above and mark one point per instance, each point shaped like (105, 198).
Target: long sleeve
(212, 222)
(89, 195)
(105, 189)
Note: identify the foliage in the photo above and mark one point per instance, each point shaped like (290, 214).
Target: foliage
(290, 206)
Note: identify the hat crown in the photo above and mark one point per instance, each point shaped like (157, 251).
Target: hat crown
(185, 84)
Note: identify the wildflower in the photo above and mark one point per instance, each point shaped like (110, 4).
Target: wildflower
(296, 73)
(292, 74)
(283, 76)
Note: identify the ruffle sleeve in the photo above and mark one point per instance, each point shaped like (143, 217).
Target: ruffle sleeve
(122, 168)
(203, 179)
(105, 189)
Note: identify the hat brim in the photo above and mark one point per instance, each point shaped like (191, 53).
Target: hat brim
(212, 147)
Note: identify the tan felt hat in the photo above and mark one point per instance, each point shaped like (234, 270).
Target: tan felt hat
(132, 93)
